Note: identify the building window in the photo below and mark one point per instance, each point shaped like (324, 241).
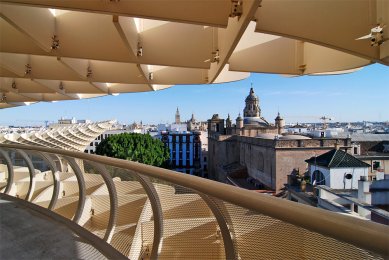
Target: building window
(376, 165)
(96, 143)
(355, 150)
(318, 178)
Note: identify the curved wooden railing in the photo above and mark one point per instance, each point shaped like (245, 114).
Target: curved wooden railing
(148, 212)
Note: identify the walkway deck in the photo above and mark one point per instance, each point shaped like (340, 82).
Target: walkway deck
(26, 234)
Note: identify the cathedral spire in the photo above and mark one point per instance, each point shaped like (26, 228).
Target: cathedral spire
(228, 121)
(178, 118)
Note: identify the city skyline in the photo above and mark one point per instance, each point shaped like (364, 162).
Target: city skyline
(345, 98)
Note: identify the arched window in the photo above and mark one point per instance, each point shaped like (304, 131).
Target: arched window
(318, 178)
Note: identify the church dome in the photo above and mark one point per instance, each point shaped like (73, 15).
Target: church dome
(255, 121)
(239, 118)
(215, 117)
(252, 106)
(278, 118)
(193, 119)
(251, 96)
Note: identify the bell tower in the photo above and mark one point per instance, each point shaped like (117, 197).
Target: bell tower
(279, 123)
(178, 119)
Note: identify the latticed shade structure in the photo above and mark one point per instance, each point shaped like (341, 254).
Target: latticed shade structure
(73, 137)
(62, 50)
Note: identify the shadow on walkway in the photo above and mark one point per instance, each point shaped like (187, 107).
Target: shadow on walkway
(26, 234)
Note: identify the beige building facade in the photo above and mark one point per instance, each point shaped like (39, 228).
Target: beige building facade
(268, 161)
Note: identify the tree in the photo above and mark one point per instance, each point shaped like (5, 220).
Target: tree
(135, 147)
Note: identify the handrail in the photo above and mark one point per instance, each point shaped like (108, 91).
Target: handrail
(364, 234)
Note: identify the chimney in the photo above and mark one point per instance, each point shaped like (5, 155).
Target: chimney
(337, 145)
(363, 190)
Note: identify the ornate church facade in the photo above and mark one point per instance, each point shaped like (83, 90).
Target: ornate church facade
(252, 123)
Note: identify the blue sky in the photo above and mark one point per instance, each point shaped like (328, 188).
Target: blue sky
(363, 95)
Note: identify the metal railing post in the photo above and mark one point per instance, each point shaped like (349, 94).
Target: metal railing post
(113, 200)
(10, 168)
(61, 167)
(229, 245)
(54, 171)
(31, 171)
(157, 214)
(81, 188)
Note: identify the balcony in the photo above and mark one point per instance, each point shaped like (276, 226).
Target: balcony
(129, 210)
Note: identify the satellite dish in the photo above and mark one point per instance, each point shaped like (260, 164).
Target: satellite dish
(348, 176)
